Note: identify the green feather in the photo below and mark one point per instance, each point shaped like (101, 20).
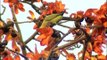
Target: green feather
(53, 18)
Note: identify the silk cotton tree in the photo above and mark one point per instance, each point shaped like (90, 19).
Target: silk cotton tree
(91, 36)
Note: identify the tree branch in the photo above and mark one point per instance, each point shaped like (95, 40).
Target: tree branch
(22, 44)
(3, 10)
(29, 49)
(78, 39)
(67, 18)
(31, 37)
(64, 26)
(52, 49)
(23, 22)
(33, 6)
(17, 53)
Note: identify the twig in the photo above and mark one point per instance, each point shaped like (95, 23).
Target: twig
(18, 28)
(17, 53)
(23, 22)
(62, 54)
(63, 22)
(60, 32)
(31, 37)
(64, 26)
(78, 39)
(84, 49)
(33, 6)
(63, 37)
(68, 19)
(3, 10)
(29, 49)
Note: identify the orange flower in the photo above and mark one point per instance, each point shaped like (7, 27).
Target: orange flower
(51, 44)
(105, 24)
(69, 56)
(89, 47)
(8, 37)
(88, 30)
(93, 58)
(50, 8)
(101, 57)
(77, 16)
(33, 56)
(44, 54)
(97, 22)
(36, 56)
(98, 49)
(16, 4)
(32, 15)
(98, 44)
(17, 57)
(59, 7)
(90, 12)
(103, 8)
(100, 21)
(87, 55)
(38, 0)
(34, 1)
(100, 38)
(8, 57)
(1, 24)
(15, 47)
(45, 35)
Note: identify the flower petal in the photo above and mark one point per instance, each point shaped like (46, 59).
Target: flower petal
(32, 14)
(17, 57)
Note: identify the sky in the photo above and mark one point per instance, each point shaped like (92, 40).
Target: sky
(71, 6)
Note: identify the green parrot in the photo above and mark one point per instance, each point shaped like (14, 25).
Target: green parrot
(53, 18)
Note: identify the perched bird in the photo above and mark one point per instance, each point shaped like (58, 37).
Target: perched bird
(53, 18)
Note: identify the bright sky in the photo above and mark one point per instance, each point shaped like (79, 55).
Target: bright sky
(71, 6)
